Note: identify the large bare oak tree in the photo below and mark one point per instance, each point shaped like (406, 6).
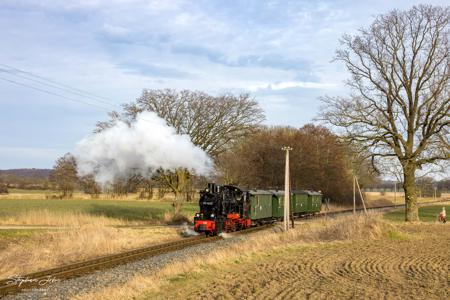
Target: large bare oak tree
(213, 123)
(400, 104)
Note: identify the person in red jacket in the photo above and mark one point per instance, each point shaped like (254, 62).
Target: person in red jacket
(442, 216)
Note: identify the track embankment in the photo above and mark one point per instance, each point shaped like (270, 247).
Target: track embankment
(15, 284)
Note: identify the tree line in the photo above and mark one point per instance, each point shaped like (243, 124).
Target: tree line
(318, 161)
(229, 129)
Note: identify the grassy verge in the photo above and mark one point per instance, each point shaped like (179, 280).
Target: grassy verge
(24, 251)
(426, 213)
(85, 228)
(14, 210)
(9, 236)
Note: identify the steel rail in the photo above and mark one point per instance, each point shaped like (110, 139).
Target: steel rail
(31, 280)
(16, 284)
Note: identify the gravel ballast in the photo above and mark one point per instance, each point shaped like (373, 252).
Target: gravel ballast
(120, 274)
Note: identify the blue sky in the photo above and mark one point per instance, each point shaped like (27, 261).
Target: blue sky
(278, 51)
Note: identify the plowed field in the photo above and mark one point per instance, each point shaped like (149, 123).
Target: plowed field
(415, 265)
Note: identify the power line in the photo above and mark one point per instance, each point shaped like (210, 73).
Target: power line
(66, 88)
(54, 84)
(55, 94)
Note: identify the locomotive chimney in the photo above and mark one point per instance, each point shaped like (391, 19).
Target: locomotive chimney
(212, 187)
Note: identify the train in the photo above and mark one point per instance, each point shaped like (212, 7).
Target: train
(228, 208)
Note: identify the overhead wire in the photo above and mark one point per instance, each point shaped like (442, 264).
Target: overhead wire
(54, 84)
(60, 86)
(54, 94)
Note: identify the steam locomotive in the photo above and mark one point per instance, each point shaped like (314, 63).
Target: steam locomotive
(228, 208)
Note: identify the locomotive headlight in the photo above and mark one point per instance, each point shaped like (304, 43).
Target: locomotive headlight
(212, 215)
(197, 215)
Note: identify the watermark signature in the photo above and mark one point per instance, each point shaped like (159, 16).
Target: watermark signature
(21, 280)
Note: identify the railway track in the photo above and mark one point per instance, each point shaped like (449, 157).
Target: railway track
(375, 208)
(38, 279)
(16, 284)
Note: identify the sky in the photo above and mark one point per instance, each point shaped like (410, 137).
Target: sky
(108, 51)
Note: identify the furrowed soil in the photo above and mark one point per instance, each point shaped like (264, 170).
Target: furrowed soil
(413, 263)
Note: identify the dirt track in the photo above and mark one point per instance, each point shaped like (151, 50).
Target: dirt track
(417, 267)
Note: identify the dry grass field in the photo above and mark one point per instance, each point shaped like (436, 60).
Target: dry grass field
(397, 267)
(46, 217)
(49, 194)
(374, 199)
(377, 198)
(37, 233)
(347, 258)
(33, 250)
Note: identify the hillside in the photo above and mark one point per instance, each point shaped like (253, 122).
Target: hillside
(25, 178)
(29, 173)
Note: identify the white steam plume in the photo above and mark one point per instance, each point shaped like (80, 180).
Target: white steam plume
(149, 144)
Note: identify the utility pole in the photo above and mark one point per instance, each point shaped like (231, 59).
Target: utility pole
(287, 190)
(395, 193)
(361, 195)
(354, 194)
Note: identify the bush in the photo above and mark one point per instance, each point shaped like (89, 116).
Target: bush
(177, 219)
(3, 189)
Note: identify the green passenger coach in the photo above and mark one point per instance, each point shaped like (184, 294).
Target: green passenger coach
(314, 201)
(299, 202)
(303, 202)
(277, 204)
(260, 205)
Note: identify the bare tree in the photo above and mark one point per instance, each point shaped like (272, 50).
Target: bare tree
(64, 175)
(212, 123)
(3, 187)
(399, 70)
(318, 161)
(90, 186)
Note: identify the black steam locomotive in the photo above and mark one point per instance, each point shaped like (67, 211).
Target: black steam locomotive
(229, 208)
(222, 208)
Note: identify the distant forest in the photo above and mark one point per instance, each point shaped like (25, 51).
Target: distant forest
(25, 178)
(39, 179)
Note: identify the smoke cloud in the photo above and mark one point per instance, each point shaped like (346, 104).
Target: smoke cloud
(149, 144)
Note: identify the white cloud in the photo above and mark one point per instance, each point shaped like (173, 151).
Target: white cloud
(279, 51)
(291, 84)
(115, 30)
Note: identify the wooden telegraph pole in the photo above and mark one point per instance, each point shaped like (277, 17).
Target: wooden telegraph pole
(354, 194)
(361, 195)
(395, 193)
(287, 190)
